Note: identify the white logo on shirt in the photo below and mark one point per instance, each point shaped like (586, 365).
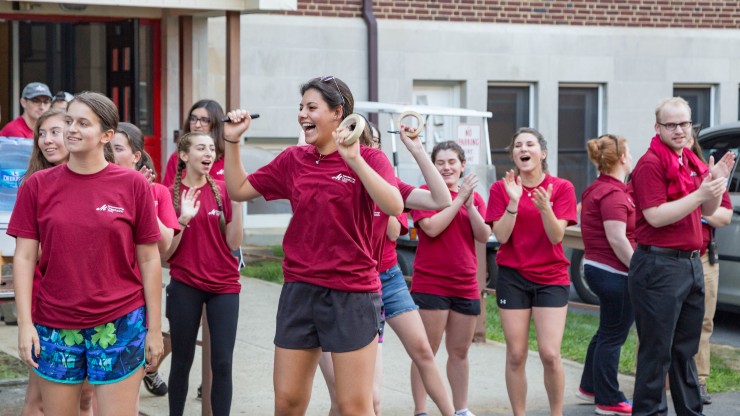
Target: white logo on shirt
(376, 213)
(343, 178)
(215, 212)
(110, 208)
(220, 172)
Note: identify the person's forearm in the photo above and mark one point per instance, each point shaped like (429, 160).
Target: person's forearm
(709, 208)
(24, 267)
(622, 248)
(235, 229)
(670, 212)
(167, 233)
(481, 230)
(437, 223)
(721, 217)
(554, 228)
(393, 230)
(151, 277)
(385, 195)
(503, 228)
(440, 195)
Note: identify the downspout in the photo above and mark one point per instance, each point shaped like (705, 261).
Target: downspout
(372, 53)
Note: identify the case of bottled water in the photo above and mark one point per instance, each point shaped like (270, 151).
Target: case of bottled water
(14, 156)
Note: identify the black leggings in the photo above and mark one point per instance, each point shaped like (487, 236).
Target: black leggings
(184, 306)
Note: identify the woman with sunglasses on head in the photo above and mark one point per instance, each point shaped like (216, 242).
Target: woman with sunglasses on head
(96, 318)
(529, 210)
(331, 296)
(608, 229)
(205, 116)
(128, 148)
(400, 311)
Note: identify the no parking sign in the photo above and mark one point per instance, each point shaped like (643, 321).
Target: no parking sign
(468, 137)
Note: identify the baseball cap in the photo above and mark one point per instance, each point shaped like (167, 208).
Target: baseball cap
(63, 96)
(36, 89)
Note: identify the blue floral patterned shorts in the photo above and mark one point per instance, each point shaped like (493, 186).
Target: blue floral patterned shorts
(104, 354)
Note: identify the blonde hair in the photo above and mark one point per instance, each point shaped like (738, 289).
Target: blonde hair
(183, 145)
(674, 102)
(605, 151)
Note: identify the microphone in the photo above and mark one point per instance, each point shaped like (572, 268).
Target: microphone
(253, 115)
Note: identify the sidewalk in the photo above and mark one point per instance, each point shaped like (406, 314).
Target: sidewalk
(253, 372)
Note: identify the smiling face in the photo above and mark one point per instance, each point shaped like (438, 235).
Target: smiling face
(51, 139)
(449, 166)
(85, 133)
(200, 156)
(673, 114)
(317, 120)
(528, 154)
(123, 153)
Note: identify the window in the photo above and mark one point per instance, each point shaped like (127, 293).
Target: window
(511, 106)
(578, 121)
(701, 101)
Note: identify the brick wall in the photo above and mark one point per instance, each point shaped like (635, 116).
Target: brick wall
(637, 13)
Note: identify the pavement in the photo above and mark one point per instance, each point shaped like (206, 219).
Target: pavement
(253, 359)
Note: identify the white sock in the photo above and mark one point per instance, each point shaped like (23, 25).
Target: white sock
(462, 412)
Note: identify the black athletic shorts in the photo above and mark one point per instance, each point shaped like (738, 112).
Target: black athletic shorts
(453, 303)
(513, 291)
(311, 316)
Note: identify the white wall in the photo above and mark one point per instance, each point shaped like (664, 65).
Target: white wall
(637, 66)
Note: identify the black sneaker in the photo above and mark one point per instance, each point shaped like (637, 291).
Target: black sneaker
(705, 397)
(154, 384)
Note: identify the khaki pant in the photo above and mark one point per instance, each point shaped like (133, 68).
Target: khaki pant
(711, 280)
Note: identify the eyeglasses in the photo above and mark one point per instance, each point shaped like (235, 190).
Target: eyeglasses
(203, 120)
(672, 126)
(330, 78)
(40, 101)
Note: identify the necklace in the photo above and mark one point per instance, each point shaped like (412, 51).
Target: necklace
(320, 156)
(530, 190)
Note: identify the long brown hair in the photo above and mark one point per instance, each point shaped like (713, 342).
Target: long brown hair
(38, 161)
(183, 145)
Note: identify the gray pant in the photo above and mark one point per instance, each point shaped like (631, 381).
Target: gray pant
(668, 297)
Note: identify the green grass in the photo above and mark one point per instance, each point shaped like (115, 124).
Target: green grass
(277, 251)
(581, 326)
(11, 367)
(268, 270)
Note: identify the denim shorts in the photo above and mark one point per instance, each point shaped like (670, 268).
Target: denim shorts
(104, 354)
(396, 296)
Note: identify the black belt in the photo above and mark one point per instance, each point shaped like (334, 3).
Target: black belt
(669, 252)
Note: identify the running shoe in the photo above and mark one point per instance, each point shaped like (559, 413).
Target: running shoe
(154, 384)
(619, 409)
(705, 397)
(585, 396)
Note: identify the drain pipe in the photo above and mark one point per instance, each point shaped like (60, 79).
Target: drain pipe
(372, 53)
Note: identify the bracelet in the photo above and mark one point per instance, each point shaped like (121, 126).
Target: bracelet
(179, 222)
(231, 141)
(511, 212)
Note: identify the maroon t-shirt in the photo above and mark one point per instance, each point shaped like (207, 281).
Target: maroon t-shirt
(165, 208)
(650, 190)
(17, 128)
(329, 241)
(606, 199)
(387, 248)
(528, 249)
(217, 170)
(88, 227)
(706, 229)
(446, 265)
(203, 260)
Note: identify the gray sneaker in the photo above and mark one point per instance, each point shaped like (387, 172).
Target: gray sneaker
(154, 384)
(705, 397)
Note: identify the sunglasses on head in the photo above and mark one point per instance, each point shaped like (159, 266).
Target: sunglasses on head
(330, 78)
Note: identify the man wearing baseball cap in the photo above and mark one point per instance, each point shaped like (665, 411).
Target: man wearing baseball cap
(35, 100)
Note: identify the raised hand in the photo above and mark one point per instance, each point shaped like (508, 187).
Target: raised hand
(541, 198)
(240, 121)
(148, 174)
(712, 188)
(189, 204)
(723, 168)
(413, 144)
(513, 186)
(348, 152)
(469, 183)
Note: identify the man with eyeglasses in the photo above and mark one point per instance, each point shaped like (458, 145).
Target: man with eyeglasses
(672, 190)
(35, 100)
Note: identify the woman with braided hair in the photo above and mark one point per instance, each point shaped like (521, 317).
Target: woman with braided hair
(203, 272)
